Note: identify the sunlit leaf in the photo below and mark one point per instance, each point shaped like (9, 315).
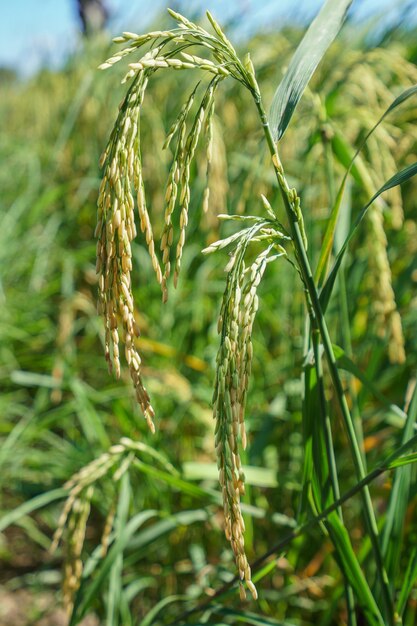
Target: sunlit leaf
(308, 55)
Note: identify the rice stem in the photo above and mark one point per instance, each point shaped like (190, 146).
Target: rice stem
(302, 258)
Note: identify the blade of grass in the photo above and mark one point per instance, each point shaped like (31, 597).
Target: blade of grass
(408, 583)
(324, 479)
(326, 471)
(395, 519)
(398, 178)
(147, 536)
(90, 421)
(256, 476)
(331, 225)
(203, 493)
(115, 578)
(310, 409)
(403, 461)
(248, 617)
(352, 570)
(341, 230)
(308, 55)
(345, 363)
(135, 587)
(126, 615)
(149, 619)
(87, 592)
(32, 505)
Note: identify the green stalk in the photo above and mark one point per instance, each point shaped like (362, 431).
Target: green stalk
(328, 438)
(350, 601)
(347, 346)
(297, 238)
(342, 293)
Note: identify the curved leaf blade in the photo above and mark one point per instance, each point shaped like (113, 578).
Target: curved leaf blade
(114, 596)
(87, 592)
(320, 34)
(248, 617)
(409, 580)
(392, 536)
(398, 178)
(34, 504)
(331, 225)
(149, 618)
(353, 572)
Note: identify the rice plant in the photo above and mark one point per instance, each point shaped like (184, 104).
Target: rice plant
(272, 242)
(313, 450)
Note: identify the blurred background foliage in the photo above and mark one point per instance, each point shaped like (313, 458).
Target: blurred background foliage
(60, 409)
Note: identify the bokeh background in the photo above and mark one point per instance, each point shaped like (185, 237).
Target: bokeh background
(60, 409)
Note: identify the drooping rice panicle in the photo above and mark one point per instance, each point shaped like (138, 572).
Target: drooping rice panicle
(107, 529)
(116, 299)
(189, 150)
(179, 127)
(116, 229)
(387, 168)
(215, 197)
(226, 415)
(144, 219)
(75, 512)
(234, 359)
(182, 20)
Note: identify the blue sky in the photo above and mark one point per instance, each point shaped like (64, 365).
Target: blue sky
(34, 32)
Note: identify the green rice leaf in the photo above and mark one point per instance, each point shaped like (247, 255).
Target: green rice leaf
(353, 572)
(264, 571)
(248, 617)
(398, 100)
(308, 55)
(316, 472)
(89, 418)
(87, 592)
(165, 526)
(345, 363)
(34, 504)
(149, 619)
(255, 476)
(395, 519)
(398, 178)
(115, 581)
(408, 582)
(340, 148)
(403, 461)
(137, 586)
(323, 478)
(185, 486)
(393, 460)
